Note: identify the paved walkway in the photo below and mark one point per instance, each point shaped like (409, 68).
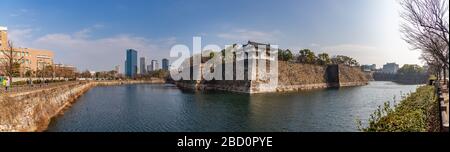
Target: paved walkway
(446, 98)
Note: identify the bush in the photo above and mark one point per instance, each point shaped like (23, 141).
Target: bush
(419, 112)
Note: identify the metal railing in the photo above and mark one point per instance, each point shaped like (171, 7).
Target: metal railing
(442, 93)
(31, 87)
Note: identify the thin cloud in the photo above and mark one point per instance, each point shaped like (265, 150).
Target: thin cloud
(243, 35)
(314, 45)
(96, 54)
(19, 36)
(20, 12)
(364, 54)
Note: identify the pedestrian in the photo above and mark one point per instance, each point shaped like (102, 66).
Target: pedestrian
(2, 81)
(7, 83)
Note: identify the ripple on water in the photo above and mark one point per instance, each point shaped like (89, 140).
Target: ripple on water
(164, 108)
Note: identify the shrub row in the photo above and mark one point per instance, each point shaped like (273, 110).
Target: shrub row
(418, 112)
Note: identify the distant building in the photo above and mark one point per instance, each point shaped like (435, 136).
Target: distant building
(32, 59)
(92, 73)
(373, 67)
(3, 37)
(149, 68)
(117, 69)
(154, 65)
(369, 68)
(131, 63)
(142, 65)
(391, 68)
(165, 64)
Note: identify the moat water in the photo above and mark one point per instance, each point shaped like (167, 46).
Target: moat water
(165, 108)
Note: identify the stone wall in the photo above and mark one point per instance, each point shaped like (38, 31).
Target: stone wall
(240, 86)
(351, 76)
(33, 110)
(291, 77)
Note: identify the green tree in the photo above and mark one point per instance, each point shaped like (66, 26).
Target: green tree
(324, 59)
(345, 60)
(288, 55)
(411, 69)
(212, 55)
(285, 55)
(307, 56)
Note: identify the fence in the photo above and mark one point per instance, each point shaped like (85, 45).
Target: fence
(442, 93)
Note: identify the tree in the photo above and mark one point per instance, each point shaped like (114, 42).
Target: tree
(163, 74)
(411, 69)
(86, 74)
(211, 55)
(285, 55)
(307, 56)
(112, 74)
(288, 55)
(434, 67)
(426, 28)
(11, 62)
(324, 59)
(48, 71)
(29, 73)
(280, 54)
(345, 60)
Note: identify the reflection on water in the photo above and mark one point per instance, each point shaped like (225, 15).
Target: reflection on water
(165, 108)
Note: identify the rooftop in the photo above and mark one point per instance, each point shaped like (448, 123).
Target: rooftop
(2, 28)
(256, 44)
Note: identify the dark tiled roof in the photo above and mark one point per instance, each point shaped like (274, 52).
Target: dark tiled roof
(255, 44)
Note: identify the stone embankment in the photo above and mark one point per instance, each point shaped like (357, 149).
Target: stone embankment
(291, 77)
(32, 110)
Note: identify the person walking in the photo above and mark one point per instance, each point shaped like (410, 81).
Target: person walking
(8, 83)
(4, 84)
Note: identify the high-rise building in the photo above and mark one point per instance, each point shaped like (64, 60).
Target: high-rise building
(149, 68)
(165, 64)
(155, 65)
(142, 65)
(131, 63)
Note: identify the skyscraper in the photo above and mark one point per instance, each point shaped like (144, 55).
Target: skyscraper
(131, 63)
(165, 64)
(155, 65)
(149, 68)
(142, 67)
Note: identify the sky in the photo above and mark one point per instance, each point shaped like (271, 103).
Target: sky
(95, 34)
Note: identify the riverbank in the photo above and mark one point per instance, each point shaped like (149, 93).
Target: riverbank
(32, 110)
(291, 77)
(418, 112)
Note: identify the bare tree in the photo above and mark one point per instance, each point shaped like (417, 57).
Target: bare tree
(426, 28)
(11, 61)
